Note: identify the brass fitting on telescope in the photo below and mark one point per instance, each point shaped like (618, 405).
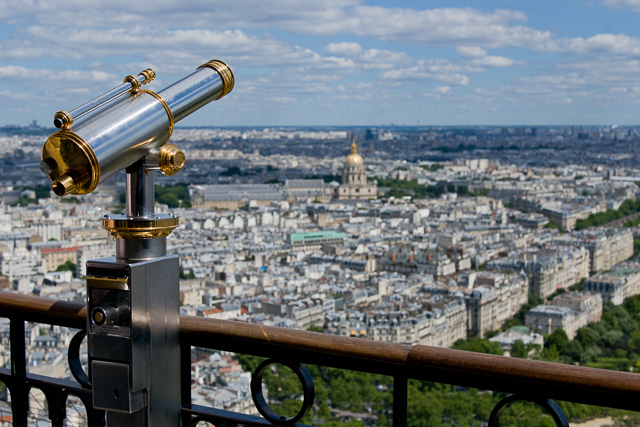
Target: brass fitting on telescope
(172, 159)
(70, 163)
(168, 159)
(148, 75)
(64, 118)
(123, 227)
(225, 74)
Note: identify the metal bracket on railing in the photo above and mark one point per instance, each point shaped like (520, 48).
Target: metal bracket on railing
(549, 405)
(261, 404)
(73, 354)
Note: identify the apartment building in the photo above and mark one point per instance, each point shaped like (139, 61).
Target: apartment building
(621, 282)
(607, 247)
(548, 269)
(489, 307)
(579, 311)
(441, 325)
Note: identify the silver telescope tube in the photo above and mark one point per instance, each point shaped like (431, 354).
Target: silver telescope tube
(77, 160)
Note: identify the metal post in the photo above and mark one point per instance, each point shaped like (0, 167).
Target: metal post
(134, 315)
(19, 396)
(400, 385)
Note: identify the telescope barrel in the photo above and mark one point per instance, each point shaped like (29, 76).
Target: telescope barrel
(116, 133)
(194, 91)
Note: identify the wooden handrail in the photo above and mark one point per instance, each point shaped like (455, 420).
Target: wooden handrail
(528, 378)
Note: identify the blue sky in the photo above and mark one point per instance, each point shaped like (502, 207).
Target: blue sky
(335, 62)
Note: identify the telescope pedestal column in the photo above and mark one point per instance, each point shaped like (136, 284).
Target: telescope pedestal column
(134, 315)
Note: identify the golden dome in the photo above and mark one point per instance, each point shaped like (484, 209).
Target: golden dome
(354, 159)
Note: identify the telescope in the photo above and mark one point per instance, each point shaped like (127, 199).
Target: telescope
(124, 125)
(133, 299)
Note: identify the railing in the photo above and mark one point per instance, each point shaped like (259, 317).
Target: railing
(524, 379)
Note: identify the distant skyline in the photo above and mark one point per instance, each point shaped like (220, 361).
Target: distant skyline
(335, 62)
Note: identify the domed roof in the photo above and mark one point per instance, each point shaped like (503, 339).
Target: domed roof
(354, 159)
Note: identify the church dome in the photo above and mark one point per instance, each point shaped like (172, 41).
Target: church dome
(354, 159)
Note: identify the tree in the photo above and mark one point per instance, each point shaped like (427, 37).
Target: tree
(557, 338)
(519, 349)
(574, 350)
(67, 266)
(382, 421)
(478, 345)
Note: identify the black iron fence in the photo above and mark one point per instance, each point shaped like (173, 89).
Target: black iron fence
(522, 379)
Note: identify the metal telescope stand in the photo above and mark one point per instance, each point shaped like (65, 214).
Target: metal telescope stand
(133, 314)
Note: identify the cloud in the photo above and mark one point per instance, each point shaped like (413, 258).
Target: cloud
(161, 46)
(124, 24)
(272, 47)
(631, 4)
(210, 14)
(616, 44)
(16, 96)
(367, 59)
(441, 27)
(493, 61)
(471, 51)
(343, 49)
(479, 57)
(384, 59)
(40, 75)
(428, 70)
(606, 83)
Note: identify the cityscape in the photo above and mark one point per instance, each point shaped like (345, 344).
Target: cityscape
(457, 237)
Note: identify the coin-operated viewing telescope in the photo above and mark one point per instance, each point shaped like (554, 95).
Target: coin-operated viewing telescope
(109, 133)
(133, 299)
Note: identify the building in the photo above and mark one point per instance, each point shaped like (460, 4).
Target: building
(546, 319)
(572, 312)
(55, 257)
(440, 326)
(507, 338)
(619, 283)
(306, 189)
(354, 179)
(234, 196)
(549, 269)
(488, 308)
(588, 304)
(606, 247)
(315, 239)
(610, 287)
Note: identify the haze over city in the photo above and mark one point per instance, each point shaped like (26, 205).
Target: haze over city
(336, 62)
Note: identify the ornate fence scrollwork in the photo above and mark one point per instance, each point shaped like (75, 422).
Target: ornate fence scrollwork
(261, 404)
(75, 366)
(549, 405)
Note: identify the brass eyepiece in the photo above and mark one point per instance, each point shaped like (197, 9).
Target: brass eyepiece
(62, 120)
(63, 185)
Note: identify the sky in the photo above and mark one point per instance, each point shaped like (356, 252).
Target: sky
(334, 62)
